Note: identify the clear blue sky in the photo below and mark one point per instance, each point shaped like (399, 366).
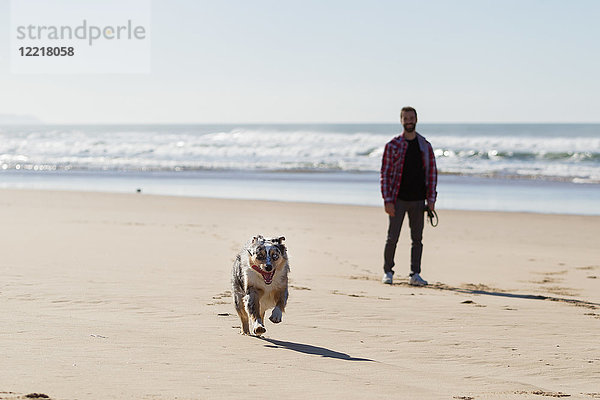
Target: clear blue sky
(338, 61)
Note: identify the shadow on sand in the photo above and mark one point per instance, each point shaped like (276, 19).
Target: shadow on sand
(483, 290)
(309, 349)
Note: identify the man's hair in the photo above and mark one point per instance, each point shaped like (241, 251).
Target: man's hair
(407, 109)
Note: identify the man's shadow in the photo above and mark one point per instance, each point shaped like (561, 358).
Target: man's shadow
(309, 349)
(499, 293)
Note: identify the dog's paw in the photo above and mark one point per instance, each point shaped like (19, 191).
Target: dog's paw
(276, 315)
(259, 329)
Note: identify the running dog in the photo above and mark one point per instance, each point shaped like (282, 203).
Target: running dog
(260, 281)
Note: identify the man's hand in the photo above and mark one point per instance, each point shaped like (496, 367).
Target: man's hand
(390, 209)
(431, 206)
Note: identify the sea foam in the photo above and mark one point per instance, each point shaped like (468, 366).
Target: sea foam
(483, 150)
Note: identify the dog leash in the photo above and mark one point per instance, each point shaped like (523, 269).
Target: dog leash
(431, 216)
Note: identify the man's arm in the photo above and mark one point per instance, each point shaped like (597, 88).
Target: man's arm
(386, 174)
(431, 180)
(386, 181)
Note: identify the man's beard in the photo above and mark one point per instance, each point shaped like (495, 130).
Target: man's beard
(410, 127)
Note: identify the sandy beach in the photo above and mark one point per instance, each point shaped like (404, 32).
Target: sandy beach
(117, 296)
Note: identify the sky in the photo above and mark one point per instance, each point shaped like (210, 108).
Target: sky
(331, 61)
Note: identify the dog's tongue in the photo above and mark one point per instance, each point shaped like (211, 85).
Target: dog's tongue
(267, 276)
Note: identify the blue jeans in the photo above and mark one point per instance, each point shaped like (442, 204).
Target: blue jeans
(416, 220)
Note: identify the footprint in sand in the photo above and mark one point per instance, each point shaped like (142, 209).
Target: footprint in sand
(296, 287)
(589, 268)
(472, 302)
(550, 394)
(221, 298)
(543, 393)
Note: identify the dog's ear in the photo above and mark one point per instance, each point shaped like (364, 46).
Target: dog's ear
(256, 239)
(282, 248)
(280, 244)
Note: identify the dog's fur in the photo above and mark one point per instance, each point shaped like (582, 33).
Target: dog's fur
(260, 281)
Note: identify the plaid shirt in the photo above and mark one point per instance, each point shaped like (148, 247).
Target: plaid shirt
(392, 164)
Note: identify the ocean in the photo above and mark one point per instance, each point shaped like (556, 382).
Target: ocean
(550, 168)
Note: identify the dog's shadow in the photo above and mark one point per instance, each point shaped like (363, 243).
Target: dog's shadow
(309, 349)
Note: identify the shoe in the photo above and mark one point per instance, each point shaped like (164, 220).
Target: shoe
(388, 278)
(416, 280)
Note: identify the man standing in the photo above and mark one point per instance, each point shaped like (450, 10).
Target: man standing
(408, 178)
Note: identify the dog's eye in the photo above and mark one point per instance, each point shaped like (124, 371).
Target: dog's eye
(261, 256)
(275, 256)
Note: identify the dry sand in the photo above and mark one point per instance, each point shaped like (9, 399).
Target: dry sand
(107, 296)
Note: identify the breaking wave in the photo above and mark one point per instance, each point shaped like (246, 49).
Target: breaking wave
(492, 150)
